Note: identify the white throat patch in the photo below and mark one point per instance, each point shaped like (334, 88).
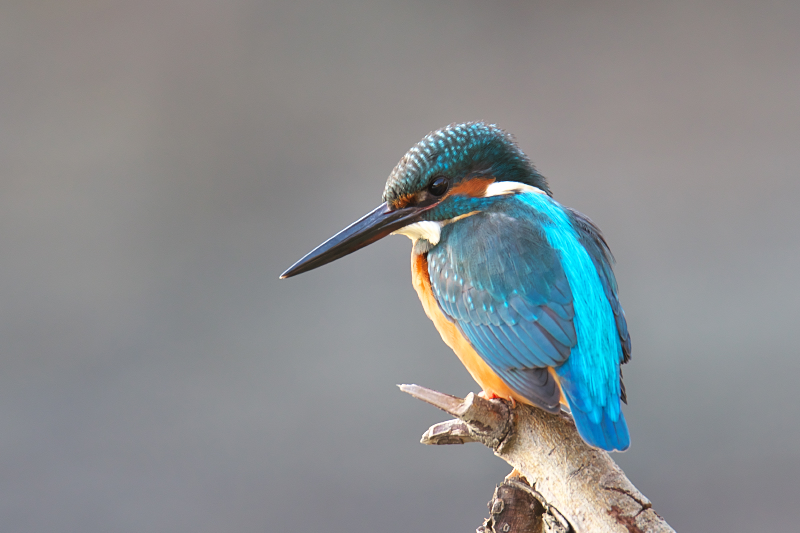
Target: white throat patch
(428, 230)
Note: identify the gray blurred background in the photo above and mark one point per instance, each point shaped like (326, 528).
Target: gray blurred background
(161, 163)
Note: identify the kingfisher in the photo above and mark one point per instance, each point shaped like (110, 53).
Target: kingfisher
(518, 285)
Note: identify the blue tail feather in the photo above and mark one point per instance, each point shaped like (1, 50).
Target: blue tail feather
(607, 434)
(600, 421)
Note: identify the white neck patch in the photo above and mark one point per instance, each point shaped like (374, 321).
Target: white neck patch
(501, 188)
(428, 230)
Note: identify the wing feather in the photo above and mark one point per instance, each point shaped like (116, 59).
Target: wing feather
(509, 297)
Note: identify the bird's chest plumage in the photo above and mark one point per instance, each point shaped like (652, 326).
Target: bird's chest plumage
(476, 366)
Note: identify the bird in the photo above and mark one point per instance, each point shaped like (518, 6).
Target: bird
(518, 285)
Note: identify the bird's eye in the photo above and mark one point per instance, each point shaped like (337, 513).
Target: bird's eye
(439, 186)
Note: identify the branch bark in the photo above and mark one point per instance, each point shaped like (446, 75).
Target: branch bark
(573, 480)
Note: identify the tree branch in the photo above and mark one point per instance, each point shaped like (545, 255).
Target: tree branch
(573, 479)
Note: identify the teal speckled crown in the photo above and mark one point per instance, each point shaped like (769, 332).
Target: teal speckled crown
(458, 150)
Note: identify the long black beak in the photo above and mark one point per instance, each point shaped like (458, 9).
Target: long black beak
(373, 226)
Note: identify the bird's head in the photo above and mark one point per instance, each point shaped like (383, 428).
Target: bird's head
(451, 173)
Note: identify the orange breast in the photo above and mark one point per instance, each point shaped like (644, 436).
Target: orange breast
(480, 371)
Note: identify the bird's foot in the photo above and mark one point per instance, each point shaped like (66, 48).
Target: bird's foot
(490, 395)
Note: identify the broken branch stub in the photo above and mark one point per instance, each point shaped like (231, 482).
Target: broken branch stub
(581, 482)
(479, 420)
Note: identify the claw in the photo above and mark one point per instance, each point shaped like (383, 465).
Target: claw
(490, 395)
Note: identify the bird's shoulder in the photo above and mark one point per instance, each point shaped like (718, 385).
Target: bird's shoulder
(502, 252)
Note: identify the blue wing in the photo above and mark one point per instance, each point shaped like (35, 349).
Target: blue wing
(499, 277)
(592, 239)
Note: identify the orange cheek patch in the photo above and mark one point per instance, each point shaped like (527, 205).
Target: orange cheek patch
(476, 187)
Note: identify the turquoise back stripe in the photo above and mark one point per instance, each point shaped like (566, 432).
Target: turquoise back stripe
(594, 362)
